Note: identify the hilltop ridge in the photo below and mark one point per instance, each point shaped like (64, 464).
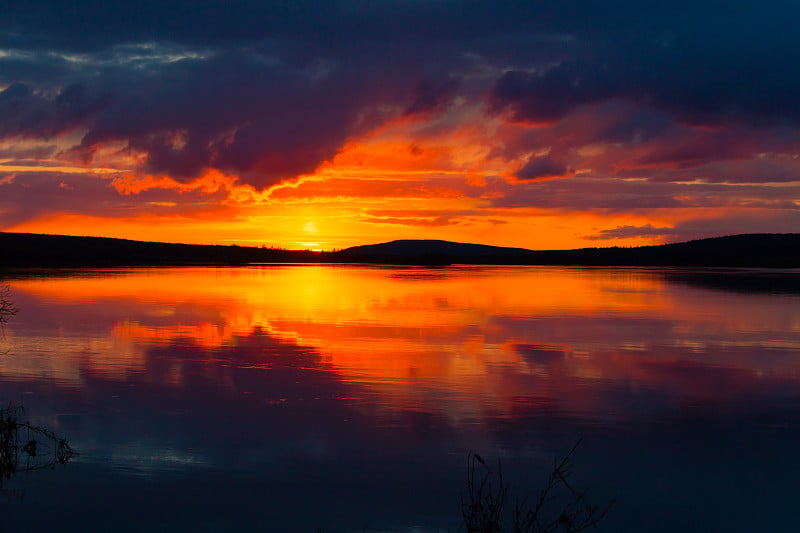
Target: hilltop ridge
(744, 250)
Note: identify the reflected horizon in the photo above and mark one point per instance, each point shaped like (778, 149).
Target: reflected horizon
(391, 370)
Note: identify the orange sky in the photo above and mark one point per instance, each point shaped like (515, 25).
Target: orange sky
(396, 182)
(457, 175)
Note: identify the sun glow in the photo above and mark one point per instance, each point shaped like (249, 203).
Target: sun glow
(404, 180)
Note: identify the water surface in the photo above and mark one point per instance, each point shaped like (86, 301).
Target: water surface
(345, 398)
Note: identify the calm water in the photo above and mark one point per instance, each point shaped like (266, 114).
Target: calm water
(306, 398)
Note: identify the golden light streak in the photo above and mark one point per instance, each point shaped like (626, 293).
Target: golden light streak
(56, 166)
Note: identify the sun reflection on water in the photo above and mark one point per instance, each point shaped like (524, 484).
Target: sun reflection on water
(462, 340)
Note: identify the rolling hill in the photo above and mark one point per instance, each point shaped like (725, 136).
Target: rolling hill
(748, 250)
(24, 250)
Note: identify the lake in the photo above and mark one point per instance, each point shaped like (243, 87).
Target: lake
(347, 398)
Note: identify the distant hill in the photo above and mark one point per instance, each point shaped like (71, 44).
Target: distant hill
(433, 252)
(750, 250)
(23, 250)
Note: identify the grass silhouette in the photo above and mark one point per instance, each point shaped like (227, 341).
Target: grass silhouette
(559, 507)
(25, 447)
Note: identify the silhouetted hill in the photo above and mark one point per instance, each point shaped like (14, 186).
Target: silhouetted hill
(21, 250)
(432, 252)
(752, 250)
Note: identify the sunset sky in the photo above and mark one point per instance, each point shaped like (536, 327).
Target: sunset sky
(329, 124)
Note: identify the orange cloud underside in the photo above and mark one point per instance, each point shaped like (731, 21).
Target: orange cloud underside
(397, 183)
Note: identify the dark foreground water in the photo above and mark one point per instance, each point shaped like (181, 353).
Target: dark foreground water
(307, 398)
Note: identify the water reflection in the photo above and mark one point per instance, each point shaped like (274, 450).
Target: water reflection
(479, 337)
(354, 391)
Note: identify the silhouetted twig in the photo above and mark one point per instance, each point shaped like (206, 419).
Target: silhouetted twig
(28, 447)
(559, 507)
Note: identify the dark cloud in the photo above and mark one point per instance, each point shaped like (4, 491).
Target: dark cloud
(34, 152)
(701, 75)
(761, 169)
(36, 69)
(28, 113)
(53, 191)
(58, 192)
(620, 122)
(268, 90)
(430, 97)
(611, 194)
(541, 97)
(621, 139)
(582, 193)
(89, 24)
(543, 167)
(237, 113)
